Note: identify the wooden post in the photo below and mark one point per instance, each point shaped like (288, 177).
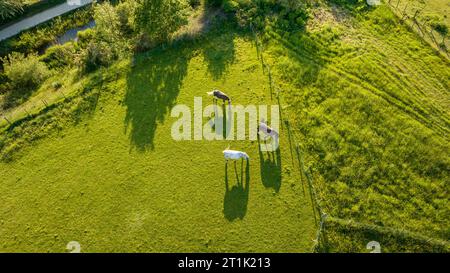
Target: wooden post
(7, 120)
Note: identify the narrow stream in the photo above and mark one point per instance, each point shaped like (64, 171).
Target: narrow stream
(71, 34)
(68, 36)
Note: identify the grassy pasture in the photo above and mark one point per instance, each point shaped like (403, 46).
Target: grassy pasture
(109, 175)
(370, 103)
(367, 101)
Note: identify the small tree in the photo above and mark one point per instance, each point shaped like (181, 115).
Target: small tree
(106, 42)
(107, 24)
(23, 72)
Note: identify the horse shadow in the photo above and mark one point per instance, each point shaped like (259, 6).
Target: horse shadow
(219, 55)
(236, 197)
(270, 165)
(223, 120)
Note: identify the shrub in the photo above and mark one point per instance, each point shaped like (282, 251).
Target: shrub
(85, 37)
(95, 55)
(59, 56)
(23, 72)
(126, 14)
(10, 8)
(288, 15)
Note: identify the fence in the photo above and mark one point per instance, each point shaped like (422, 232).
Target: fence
(40, 103)
(410, 13)
(395, 240)
(32, 108)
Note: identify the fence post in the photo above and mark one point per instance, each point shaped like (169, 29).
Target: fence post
(270, 81)
(320, 231)
(7, 120)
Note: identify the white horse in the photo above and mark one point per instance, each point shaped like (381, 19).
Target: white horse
(268, 131)
(235, 155)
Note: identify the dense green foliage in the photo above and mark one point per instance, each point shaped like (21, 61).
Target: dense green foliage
(60, 56)
(23, 72)
(158, 19)
(107, 40)
(10, 8)
(288, 15)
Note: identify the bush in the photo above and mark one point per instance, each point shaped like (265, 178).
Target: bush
(95, 55)
(85, 37)
(288, 15)
(440, 28)
(23, 72)
(59, 56)
(125, 13)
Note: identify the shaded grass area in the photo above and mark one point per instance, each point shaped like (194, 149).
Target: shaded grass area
(372, 115)
(113, 179)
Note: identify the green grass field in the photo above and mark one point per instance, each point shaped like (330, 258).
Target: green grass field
(116, 181)
(367, 102)
(371, 108)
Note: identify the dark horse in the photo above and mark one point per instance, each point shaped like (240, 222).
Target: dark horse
(220, 95)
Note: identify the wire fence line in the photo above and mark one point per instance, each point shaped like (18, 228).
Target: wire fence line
(43, 102)
(31, 108)
(306, 174)
(410, 15)
(274, 89)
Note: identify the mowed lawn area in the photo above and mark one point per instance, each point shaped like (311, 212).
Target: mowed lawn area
(116, 181)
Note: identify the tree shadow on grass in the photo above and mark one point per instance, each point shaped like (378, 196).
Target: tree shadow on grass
(153, 84)
(236, 197)
(270, 165)
(219, 53)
